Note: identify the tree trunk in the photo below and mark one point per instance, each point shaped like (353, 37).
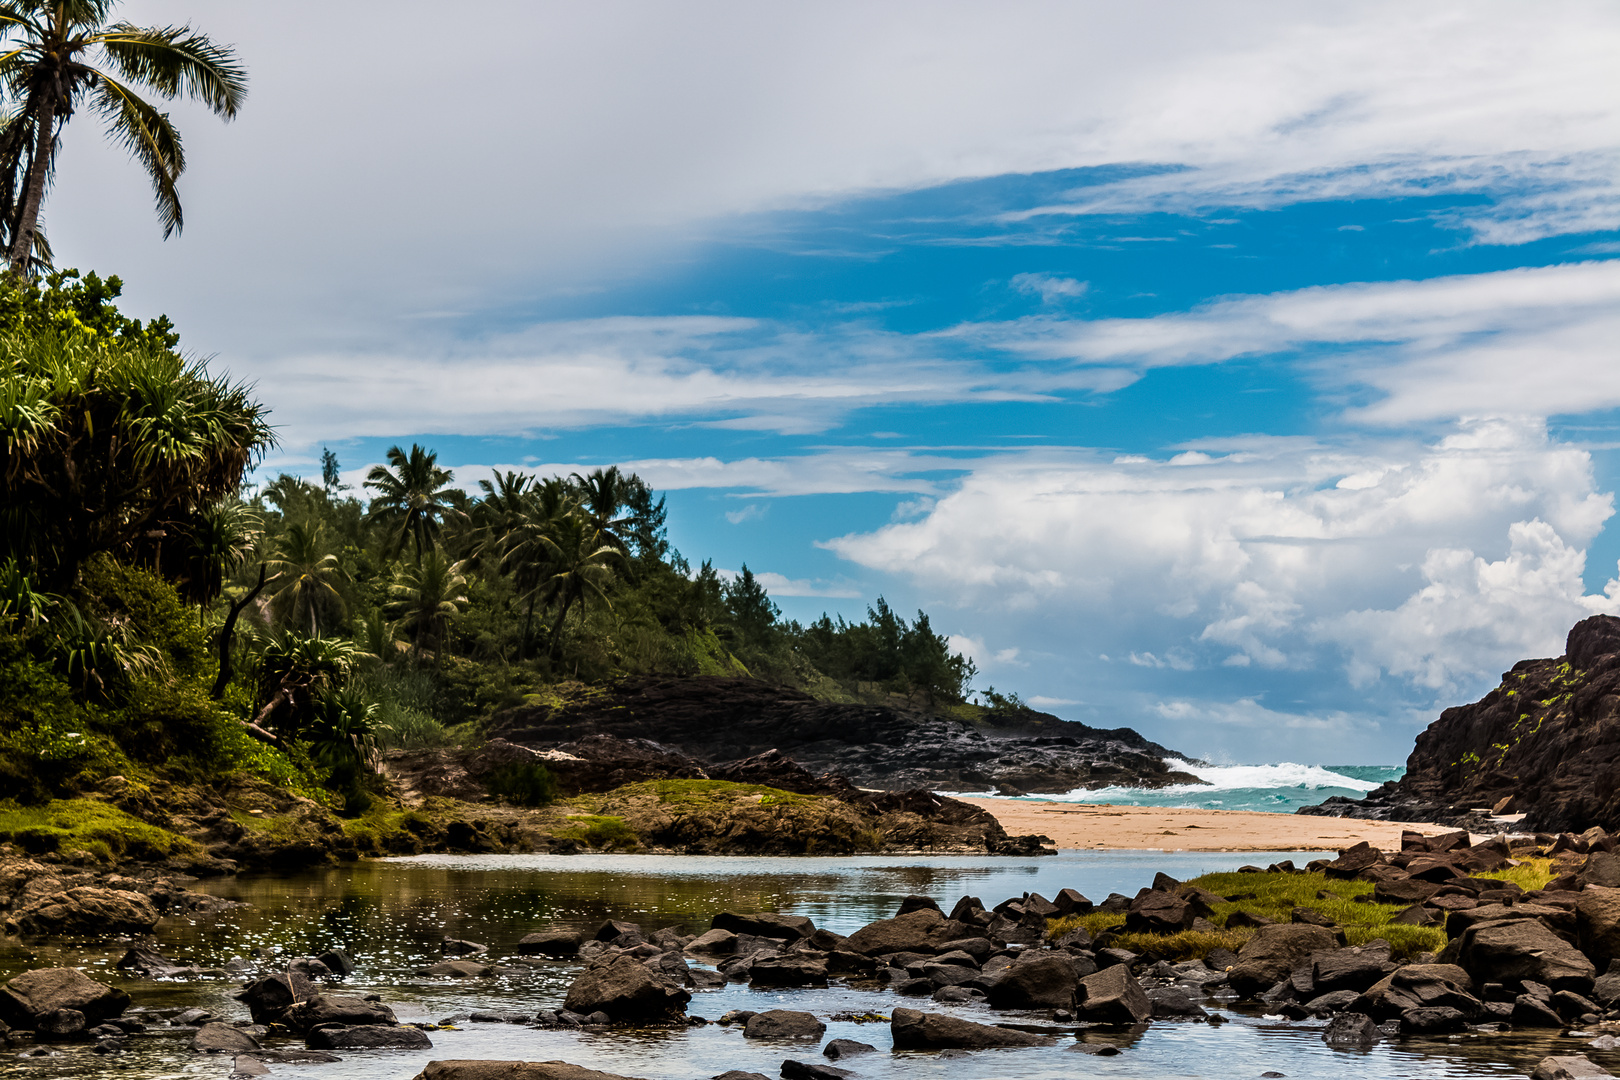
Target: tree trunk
(22, 235)
(528, 630)
(556, 629)
(225, 637)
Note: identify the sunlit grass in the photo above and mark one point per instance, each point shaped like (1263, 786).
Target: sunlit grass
(68, 825)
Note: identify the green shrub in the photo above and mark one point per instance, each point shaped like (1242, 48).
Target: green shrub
(527, 785)
(608, 832)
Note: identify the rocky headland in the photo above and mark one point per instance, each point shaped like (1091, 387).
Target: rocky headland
(893, 747)
(1545, 744)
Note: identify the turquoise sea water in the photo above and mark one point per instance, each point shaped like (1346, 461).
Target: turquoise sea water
(1281, 788)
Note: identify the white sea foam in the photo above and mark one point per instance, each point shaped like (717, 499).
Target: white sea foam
(1261, 787)
(1286, 774)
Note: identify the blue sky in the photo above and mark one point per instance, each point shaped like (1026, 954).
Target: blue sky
(1248, 380)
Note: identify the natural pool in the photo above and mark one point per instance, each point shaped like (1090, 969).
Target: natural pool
(391, 915)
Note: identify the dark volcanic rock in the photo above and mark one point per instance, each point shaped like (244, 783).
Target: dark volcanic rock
(719, 720)
(369, 1037)
(623, 988)
(43, 991)
(914, 1030)
(1560, 723)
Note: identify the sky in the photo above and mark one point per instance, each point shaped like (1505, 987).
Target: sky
(1245, 374)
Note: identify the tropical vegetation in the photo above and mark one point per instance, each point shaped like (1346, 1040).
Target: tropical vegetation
(163, 608)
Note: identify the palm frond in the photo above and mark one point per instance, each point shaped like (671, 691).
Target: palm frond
(175, 59)
(150, 139)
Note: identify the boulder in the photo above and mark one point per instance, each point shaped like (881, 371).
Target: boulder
(1174, 1002)
(1351, 969)
(222, 1039)
(843, 1048)
(1574, 1067)
(806, 1070)
(1432, 1021)
(915, 1030)
(1354, 860)
(269, 997)
(915, 931)
(558, 943)
(1419, 986)
(767, 924)
(460, 947)
(85, 911)
(1067, 902)
(1510, 952)
(622, 987)
(1351, 1029)
(788, 971)
(323, 1009)
(147, 962)
(783, 1024)
(460, 969)
(917, 903)
(1606, 988)
(1597, 923)
(1035, 981)
(43, 991)
(1560, 919)
(338, 961)
(713, 943)
(1155, 912)
(60, 1023)
(1113, 996)
(1274, 952)
(368, 1037)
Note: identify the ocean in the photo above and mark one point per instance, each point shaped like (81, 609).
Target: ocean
(1281, 788)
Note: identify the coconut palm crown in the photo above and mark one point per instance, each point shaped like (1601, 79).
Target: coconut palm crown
(56, 55)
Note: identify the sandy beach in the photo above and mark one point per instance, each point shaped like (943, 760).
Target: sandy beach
(1103, 826)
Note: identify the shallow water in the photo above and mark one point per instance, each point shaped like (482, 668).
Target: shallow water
(391, 915)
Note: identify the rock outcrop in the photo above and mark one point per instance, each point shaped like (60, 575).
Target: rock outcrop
(1545, 743)
(717, 720)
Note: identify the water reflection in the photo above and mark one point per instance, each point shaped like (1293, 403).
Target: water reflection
(392, 914)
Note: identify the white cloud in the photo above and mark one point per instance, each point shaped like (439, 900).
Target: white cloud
(1049, 287)
(778, 585)
(747, 513)
(593, 138)
(1439, 564)
(1041, 701)
(1536, 341)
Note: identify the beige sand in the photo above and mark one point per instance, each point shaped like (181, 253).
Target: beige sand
(1087, 825)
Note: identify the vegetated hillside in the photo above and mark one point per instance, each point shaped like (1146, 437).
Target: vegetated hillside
(1545, 743)
(1011, 749)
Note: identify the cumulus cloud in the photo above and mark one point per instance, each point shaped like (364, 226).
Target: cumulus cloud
(1049, 287)
(1434, 563)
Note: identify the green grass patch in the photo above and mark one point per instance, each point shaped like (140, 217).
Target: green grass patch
(697, 794)
(65, 825)
(1275, 896)
(601, 831)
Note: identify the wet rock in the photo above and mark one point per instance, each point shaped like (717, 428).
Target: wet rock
(60, 1023)
(1597, 923)
(191, 1016)
(838, 1049)
(804, 1070)
(338, 961)
(1531, 1010)
(916, 931)
(766, 924)
(1432, 1021)
(368, 1037)
(460, 947)
(1417, 986)
(915, 1030)
(1351, 1029)
(1113, 995)
(788, 971)
(269, 997)
(222, 1039)
(460, 969)
(1274, 952)
(622, 987)
(714, 943)
(1034, 981)
(85, 911)
(1523, 949)
(247, 1065)
(1174, 1003)
(783, 1024)
(521, 1070)
(324, 1009)
(43, 991)
(147, 962)
(738, 1074)
(1331, 1002)
(1572, 1067)
(558, 943)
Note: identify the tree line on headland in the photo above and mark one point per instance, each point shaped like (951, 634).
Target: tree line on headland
(156, 609)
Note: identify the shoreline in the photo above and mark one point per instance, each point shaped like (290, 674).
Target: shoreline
(1118, 827)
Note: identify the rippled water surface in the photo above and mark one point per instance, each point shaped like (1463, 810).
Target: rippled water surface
(391, 915)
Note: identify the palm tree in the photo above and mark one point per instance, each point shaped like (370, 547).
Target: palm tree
(497, 514)
(602, 495)
(583, 568)
(307, 578)
(59, 53)
(425, 597)
(529, 551)
(413, 500)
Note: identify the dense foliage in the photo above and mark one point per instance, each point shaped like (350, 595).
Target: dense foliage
(155, 615)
